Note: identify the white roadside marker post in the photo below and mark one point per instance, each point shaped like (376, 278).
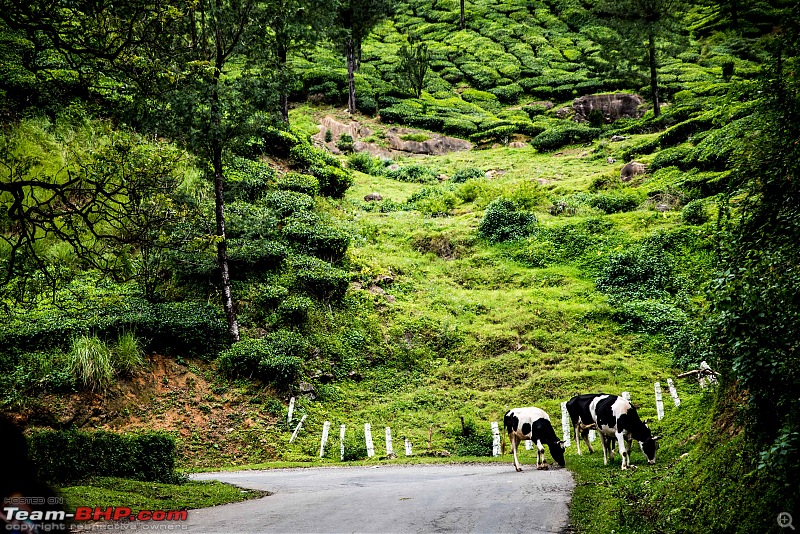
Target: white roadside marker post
(565, 430)
(659, 401)
(325, 429)
(291, 410)
(297, 430)
(389, 448)
(673, 392)
(341, 440)
(495, 439)
(408, 447)
(368, 440)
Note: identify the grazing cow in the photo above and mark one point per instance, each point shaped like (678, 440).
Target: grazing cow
(616, 417)
(533, 424)
(582, 420)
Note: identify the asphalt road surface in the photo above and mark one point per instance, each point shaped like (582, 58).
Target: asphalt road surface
(393, 499)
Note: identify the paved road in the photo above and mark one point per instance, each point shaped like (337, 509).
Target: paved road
(394, 499)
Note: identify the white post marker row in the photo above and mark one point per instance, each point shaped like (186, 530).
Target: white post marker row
(368, 439)
(673, 392)
(291, 410)
(389, 448)
(297, 430)
(659, 401)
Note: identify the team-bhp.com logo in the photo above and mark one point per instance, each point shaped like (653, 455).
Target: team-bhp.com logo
(86, 513)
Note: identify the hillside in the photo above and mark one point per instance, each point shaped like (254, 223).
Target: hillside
(523, 271)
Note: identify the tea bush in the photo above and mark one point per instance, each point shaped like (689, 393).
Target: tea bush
(418, 174)
(299, 183)
(468, 173)
(275, 358)
(502, 221)
(559, 136)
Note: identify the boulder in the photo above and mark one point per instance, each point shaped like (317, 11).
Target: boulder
(613, 106)
(436, 145)
(372, 197)
(353, 128)
(629, 170)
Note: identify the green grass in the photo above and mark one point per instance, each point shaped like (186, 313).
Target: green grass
(105, 492)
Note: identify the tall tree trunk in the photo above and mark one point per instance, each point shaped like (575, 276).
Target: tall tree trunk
(654, 75)
(463, 18)
(219, 185)
(283, 75)
(351, 81)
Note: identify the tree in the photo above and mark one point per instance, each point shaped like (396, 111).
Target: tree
(640, 31)
(415, 60)
(463, 19)
(755, 319)
(355, 20)
(293, 25)
(105, 200)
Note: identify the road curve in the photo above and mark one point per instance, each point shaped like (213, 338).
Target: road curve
(393, 499)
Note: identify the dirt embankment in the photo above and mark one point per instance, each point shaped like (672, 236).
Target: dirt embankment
(213, 422)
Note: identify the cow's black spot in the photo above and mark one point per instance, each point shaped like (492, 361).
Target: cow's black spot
(526, 429)
(514, 422)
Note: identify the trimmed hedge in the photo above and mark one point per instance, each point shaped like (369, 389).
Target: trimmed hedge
(276, 358)
(172, 328)
(564, 135)
(63, 457)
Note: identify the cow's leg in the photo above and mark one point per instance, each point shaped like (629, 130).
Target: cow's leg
(585, 435)
(578, 437)
(624, 451)
(540, 461)
(514, 442)
(603, 444)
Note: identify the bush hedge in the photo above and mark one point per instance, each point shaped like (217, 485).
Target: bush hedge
(502, 221)
(172, 328)
(275, 358)
(64, 457)
(564, 135)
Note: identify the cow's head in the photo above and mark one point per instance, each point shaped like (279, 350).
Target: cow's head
(557, 452)
(649, 448)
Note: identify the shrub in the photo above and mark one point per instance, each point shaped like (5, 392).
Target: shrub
(638, 274)
(694, 212)
(507, 93)
(299, 183)
(64, 457)
(418, 174)
(333, 181)
(470, 441)
(294, 310)
(247, 180)
(312, 236)
(670, 157)
(650, 317)
(264, 298)
(321, 279)
(433, 201)
(285, 203)
(355, 446)
(328, 135)
(90, 363)
(459, 126)
(500, 134)
(614, 202)
(559, 136)
(363, 162)
(276, 358)
(345, 143)
(470, 173)
(247, 256)
(503, 222)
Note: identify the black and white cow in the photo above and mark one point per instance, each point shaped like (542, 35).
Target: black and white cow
(582, 421)
(616, 417)
(533, 424)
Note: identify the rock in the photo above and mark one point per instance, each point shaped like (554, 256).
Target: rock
(517, 144)
(610, 160)
(393, 167)
(629, 170)
(543, 181)
(546, 104)
(494, 172)
(353, 128)
(662, 207)
(564, 112)
(613, 106)
(307, 390)
(617, 138)
(442, 177)
(385, 279)
(436, 145)
(372, 197)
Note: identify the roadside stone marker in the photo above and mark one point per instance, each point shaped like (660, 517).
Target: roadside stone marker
(368, 440)
(408, 447)
(325, 429)
(297, 430)
(291, 410)
(389, 448)
(495, 439)
(341, 440)
(673, 392)
(565, 423)
(659, 402)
